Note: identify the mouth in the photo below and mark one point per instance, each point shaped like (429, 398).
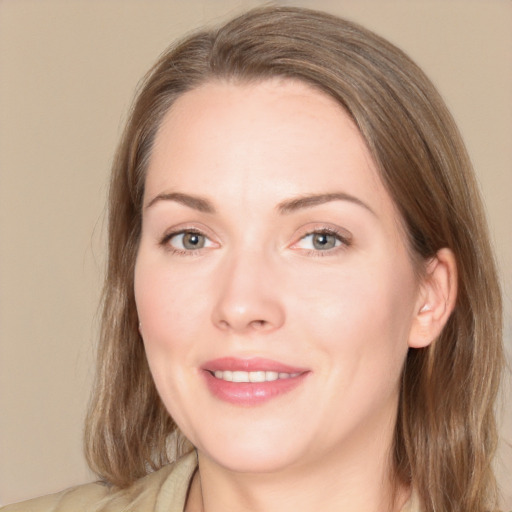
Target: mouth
(248, 382)
(258, 376)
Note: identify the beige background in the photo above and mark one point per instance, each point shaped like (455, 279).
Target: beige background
(67, 74)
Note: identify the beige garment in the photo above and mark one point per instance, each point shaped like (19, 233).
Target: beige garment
(164, 490)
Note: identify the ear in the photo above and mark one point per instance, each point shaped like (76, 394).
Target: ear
(436, 299)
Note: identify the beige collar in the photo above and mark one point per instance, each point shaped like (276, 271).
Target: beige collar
(412, 504)
(173, 493)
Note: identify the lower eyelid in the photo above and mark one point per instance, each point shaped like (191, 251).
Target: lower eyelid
(166, 241)
(344, 240)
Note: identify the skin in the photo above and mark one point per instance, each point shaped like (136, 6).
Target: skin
(260, 287)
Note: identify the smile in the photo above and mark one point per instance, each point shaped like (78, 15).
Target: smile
(251, 382)
(258, 376)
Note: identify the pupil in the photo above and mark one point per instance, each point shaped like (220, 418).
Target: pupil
(324, 241)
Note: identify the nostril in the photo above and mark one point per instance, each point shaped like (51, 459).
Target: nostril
(223, 324)
(258, 324)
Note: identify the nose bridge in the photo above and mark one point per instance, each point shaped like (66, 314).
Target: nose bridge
(248, 297)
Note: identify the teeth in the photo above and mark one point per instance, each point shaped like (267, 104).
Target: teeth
(259, 376)
(256, 376)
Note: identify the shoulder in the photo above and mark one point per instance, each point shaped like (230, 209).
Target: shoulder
(80, 497)
(413, 503)
(165, 489)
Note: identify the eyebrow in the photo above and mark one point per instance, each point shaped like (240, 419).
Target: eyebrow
(286, 207)
(310, 201)
(195, 202)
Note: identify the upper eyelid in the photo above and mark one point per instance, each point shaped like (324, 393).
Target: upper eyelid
(171, 233)
(176, 230)
(165, 241)
(344, 235)
(324, 232)
(322, 228)
(180, 231)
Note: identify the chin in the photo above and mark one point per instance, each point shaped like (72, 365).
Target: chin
(251, 462)
(256, 454)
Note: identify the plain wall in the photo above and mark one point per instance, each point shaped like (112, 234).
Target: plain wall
(68, 71)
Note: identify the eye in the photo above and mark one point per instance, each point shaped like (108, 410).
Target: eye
(322, 240)
(319, 241)
(187, 240)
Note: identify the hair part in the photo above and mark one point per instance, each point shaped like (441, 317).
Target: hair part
(446, 431)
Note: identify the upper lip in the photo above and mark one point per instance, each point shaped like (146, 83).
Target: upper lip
(252, 364)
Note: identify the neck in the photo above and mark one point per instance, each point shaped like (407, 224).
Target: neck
(351, 479)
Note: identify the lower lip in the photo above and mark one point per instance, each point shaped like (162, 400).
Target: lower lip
(251, 393)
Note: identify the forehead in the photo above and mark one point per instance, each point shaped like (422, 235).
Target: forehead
(283, 107)
(281, 136)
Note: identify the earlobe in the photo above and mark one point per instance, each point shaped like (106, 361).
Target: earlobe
(436, 300)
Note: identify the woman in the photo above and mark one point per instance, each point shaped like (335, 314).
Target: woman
(301, 298)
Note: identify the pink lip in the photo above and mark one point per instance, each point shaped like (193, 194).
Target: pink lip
(253, 364)
(250, 393)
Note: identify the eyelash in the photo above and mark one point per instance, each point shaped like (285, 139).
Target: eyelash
(341, 237)
(181, 252)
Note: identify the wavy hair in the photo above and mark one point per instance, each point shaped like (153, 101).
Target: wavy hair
(445, 434)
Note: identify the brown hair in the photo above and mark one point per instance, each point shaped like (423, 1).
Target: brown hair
(445, 433)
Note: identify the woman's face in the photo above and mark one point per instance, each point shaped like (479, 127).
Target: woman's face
(273, 283)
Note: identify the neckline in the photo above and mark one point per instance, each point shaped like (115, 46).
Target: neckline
(172, 496)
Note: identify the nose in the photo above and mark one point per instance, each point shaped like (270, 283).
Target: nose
(248, 296)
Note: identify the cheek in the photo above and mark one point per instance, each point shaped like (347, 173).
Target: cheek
(166, 325)
(362, 316)
(167, 301)
(168, 309)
